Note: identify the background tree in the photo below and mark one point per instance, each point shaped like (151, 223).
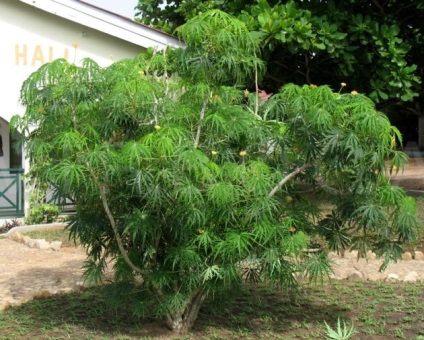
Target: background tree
(192, 185)
(375, 46)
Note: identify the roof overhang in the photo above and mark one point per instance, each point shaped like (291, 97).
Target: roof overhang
(107, 22)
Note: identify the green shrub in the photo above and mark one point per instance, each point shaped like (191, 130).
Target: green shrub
(42, 213)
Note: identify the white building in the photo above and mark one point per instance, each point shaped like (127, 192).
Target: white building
(38, 31)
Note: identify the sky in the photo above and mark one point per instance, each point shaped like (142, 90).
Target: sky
(122, 7)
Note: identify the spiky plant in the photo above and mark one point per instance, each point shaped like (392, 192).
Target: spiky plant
(342, 332)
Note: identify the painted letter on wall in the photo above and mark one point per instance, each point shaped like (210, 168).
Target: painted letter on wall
(21, 54)
(38, 54)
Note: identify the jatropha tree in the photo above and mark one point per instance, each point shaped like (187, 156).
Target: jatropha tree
(191, 184)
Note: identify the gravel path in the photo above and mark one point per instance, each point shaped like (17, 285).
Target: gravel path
(26, 273)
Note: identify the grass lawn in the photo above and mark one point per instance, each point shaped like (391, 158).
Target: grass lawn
(377, 311)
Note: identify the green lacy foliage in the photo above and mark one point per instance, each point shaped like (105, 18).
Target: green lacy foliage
(203, 180)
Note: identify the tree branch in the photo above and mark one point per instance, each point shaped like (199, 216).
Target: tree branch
(202, 116)
(288, 178)
(115, 231)
(74, 115)
(256, 89)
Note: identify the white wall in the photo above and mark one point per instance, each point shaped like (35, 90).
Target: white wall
(30, 37)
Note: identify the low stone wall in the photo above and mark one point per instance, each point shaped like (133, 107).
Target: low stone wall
(26, 228)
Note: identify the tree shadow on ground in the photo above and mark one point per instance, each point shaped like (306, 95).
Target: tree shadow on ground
(262, 309)
(46, 276)
(257, 309)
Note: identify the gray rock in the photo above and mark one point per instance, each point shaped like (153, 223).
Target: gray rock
(41, 244)
(355, 275)
(55, 245)
(43, 294)
(5, 305)
(371, 255)
(375, 276)
(419, 255)
(392, 277)
(407, 256)
(351, 254)
(17, 237)
(411, 277)
(31, 243)
(333, 255)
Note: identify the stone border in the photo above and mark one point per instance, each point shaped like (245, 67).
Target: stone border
(353, 255)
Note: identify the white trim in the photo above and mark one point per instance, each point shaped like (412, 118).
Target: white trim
(106, 22)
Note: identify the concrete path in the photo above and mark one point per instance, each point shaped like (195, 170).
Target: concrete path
(412, 178)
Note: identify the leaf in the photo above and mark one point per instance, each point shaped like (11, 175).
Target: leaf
(70, 175)
(277, 269)
(371, 215)
(398, 162)
(317, 267)
(183, 258)
(164, 147)
(134, 153)
(294, 244)
(212, 273)
(193, 160)
(223, 194)
(205, 240)
(70, 141)
(236, 245)
(188, 193)
(391, 250)
(333, 230)
(391, 195)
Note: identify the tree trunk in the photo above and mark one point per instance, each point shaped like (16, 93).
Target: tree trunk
(182, 321)
(421, 132)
